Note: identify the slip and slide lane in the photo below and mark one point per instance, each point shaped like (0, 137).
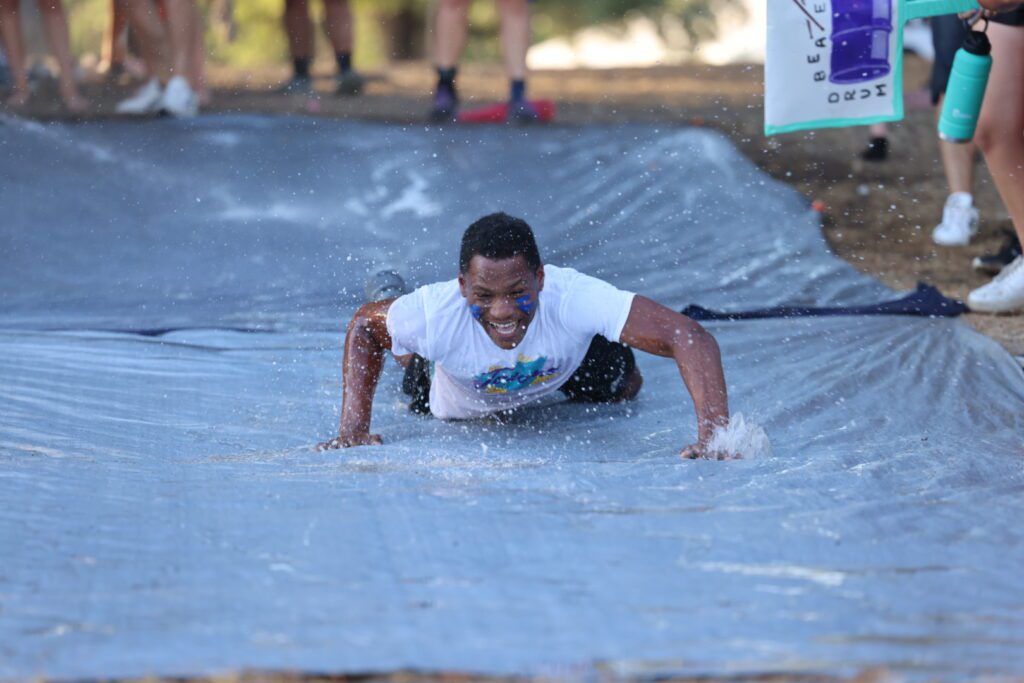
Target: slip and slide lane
(173, 301)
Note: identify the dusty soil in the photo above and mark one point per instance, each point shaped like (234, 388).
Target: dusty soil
(877, 216)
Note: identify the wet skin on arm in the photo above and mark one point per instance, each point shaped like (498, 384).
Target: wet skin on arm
(502, 297)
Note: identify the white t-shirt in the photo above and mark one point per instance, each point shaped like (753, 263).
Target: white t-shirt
(472, 375)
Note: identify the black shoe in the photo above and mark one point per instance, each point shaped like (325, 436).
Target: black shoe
(991, 264)
(416, 385)
(349, 83)
(385, 284)
(877, 150)
(446, 106)
(296, 85)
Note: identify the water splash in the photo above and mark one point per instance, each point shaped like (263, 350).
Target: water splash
(740, 439)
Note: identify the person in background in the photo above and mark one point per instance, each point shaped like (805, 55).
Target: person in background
(338, 28)
(878, 143)
(55, 26)
(173, 55)
(959, 215)
(116, 59)
(1000, 137)
(451, 28)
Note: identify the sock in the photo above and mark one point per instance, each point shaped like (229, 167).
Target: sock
(446, 78)
(517, 90)
(301, 66)
(962, 199)
(344, 60)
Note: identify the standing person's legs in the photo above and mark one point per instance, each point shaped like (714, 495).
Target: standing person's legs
(299, 29)
(197, 56)
(112, 52)
(1000, 136)
(182, 21)
(151, 38)
(959, 217)
(144, 21)
(515, 41)
(450, 30)
(515, 36)
(55, 26)
(878, 144)
(957, 161)
(179, 99)
(14, 47)
(338, 27)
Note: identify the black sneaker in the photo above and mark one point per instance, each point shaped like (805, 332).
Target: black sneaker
(385, 284)
(877, 150)
(296, 85)
(991, 264)
(446, 106)
(349, 83)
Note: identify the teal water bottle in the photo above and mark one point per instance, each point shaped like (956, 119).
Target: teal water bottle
(966, 88)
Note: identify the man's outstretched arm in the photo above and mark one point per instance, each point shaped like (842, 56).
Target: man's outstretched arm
(656, 329)
(366, 342)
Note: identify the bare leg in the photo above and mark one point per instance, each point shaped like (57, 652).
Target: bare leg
(452, 27)
(114, 49)
(14, 47)
(197, 57)
(958, 164)
(338, 24)
(1000, 134)
(182, 18)
(515, 36)
(299, 29)
(878, 130)
(145, 21)
(55, 25)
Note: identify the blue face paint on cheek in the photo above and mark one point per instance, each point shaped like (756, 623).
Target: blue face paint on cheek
(526, 304)
(476, 311)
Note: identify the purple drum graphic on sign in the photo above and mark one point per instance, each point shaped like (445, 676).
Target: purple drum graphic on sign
(860, 40)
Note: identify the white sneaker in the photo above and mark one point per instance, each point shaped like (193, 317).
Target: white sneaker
(146, 100)
(179, 100)
(1005, 294)
(959, 221)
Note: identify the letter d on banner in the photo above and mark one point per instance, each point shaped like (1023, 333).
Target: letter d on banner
(833, 63)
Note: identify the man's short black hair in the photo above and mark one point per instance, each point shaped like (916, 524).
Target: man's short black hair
(499, 236)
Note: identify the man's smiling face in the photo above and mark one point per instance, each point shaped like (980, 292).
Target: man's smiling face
(503, 296)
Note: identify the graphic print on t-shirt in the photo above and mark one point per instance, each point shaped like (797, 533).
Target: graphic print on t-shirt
(527, 372)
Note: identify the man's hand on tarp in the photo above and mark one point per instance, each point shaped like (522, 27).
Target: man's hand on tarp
(349, 440)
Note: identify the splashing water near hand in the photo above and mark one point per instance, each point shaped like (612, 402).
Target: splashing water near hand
(740, 439)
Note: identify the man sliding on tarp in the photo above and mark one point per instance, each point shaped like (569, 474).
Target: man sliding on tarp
(509, 330)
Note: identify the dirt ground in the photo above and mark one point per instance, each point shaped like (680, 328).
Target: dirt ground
(877, 216)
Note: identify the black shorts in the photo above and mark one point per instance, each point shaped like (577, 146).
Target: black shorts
(1014, 17)
(600, 378)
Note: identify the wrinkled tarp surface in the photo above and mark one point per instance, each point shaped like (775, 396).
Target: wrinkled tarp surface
(173, 300)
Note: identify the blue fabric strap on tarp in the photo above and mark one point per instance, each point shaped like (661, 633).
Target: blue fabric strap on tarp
(925, 301)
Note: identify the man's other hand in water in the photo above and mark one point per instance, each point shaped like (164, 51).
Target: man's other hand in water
(349, 440)
(698, 451)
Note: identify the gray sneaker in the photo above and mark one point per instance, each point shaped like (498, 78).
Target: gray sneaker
(385, 284)
(296, 85)
(350, 83)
